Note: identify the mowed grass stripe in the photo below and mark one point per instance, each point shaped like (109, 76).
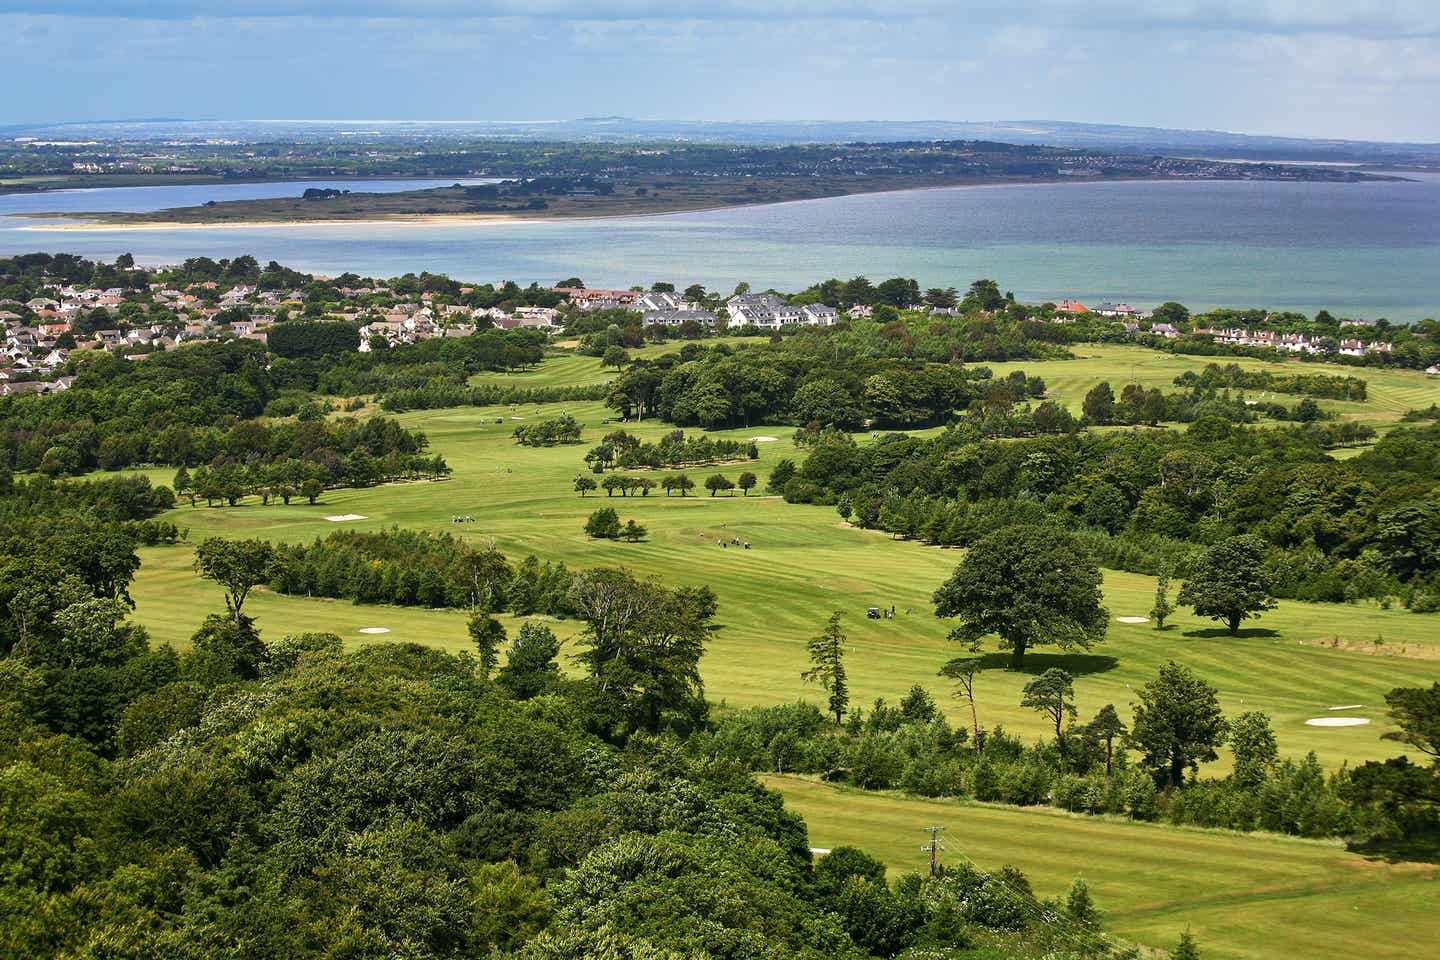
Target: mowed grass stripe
(1244, 896)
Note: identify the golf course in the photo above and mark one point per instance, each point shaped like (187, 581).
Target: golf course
(1298, 662)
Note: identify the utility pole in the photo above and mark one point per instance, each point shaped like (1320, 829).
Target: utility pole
(933, 847)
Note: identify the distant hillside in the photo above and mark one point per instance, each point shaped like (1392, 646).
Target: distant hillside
(1113, 137)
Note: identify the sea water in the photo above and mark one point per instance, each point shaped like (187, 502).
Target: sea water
(1359, 249)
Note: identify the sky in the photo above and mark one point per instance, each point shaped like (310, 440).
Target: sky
(1362, 69)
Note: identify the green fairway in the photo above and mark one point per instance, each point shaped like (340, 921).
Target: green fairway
(1256, 897)
(1390, 392)
(804, 564)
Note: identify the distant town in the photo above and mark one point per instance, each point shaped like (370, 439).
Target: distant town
(163, 308)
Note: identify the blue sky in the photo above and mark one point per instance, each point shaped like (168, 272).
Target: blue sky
(1328, 68)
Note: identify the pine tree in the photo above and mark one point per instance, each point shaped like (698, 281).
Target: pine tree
(1186, 950)
(1079, 904)
(827, 656)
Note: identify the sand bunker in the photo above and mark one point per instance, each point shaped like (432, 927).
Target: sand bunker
(374, 629)
(820, 851)
(1348, 706)
(1337, 722)
(763, 439)
(345, 517)
(1132, 619)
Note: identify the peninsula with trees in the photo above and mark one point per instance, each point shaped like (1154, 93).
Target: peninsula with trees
(546, 180)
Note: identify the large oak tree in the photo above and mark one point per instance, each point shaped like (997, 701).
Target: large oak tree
(1030, 585)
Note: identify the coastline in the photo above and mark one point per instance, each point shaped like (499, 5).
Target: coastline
(78, 222)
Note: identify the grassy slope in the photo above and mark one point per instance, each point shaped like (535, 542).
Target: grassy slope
(1255, 897)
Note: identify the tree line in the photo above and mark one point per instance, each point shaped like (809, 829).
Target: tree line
(1333, 530)
(1311, 384)
(417, 568)
(796, 381)
(675, 449)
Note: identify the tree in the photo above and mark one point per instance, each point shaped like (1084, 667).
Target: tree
(1408, 538)
(633, 532)
(614, 356)
(1031, 585)
(1106, 727)
(530, 667)
(1253, 744)
(684, 484)
(93, 632)
(487, 634)
(983, 295)
(583, 484)
(826, 402)
(181, 483)
(1407, 792)
(1079, 904)
(1177, 724)
(780, 475)
(1186, 949)
(311, 489)
(237, 565)
(746, 482)
(942, 298)
(226, 648)
(642, 646)
(604, 524)
(1416, 711)
(1230, 582)
(1163, 607)
(827, 667)
(1171, 312)
(964, 670)
(1099, 406)
(1052, 694)
(717, 482)
(486, 572)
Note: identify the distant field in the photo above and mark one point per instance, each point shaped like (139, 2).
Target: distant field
(1390, 392)
(1245, 897)
(804, 563)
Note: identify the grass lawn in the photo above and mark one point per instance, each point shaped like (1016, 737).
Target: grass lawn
(804, 563)
(1257, 897)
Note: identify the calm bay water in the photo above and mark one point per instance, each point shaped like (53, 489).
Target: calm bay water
(1362, 249)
